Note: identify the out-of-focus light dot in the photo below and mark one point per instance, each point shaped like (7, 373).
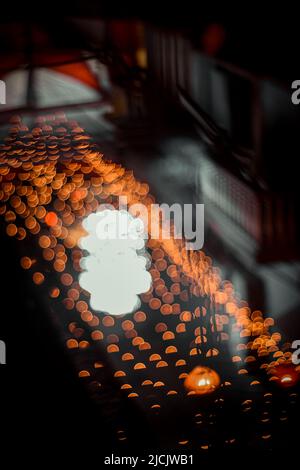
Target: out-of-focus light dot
(66, 279)
(62, 257)
(38, 278)
(59, 265)
(175, 288)
(81, 306)
(58, 205)
(286, 378)
(161, 264)
(72, 343)
(160, 290)
(54, 292)
(30, 222)
(176, 309)
(115, 272)
(21, 233)
(64, 233)
(94, 321)
(168, 298)
(73, 294)
(26, 262)
(157, 254)
(40, 212)
(97, 335)
(70, 241)
(139, 317)
(10, 216)
(36, 229)
(155, 304)
(166, 309)
(15, 201)
(127, 325)
(69, 303)
(186, 316)
(108, 321)
(44, 241)
(20, 210)
(48, 254)
(202, 380)
(86, 316)
(286, 375)
(11, 230)
(51, 219)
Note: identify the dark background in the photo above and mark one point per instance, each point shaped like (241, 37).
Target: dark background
(39, 380)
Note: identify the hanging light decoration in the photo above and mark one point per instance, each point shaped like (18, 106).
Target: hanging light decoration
(202, 380)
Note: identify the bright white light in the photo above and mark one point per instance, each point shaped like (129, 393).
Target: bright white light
(286, 378)
(116, 268)
(203, 382)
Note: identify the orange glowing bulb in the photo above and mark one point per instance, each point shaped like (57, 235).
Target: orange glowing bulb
(202, 380)
(286, 375)
(51, 219)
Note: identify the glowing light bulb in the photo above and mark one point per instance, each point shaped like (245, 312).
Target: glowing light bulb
(202, 380)
(285, 375)
(116, 267)
(286, 378)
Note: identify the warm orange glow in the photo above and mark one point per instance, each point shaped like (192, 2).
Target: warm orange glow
(51, 219)
(202, 380)
(45, 195)
(54, 293)
(38, 278)
(285, 375)
(26, 262)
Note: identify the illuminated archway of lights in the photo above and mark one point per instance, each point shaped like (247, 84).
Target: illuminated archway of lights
(115, 271)
(53, 178)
